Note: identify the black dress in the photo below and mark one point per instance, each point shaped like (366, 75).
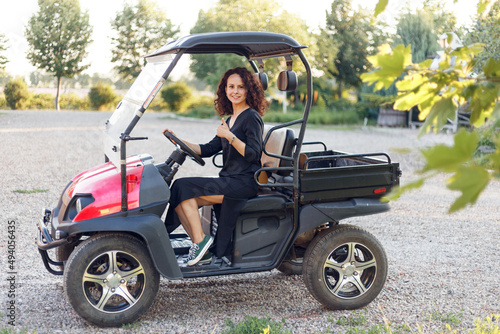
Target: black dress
(236, 179)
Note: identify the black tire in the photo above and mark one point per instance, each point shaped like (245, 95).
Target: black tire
(345, 267)
(292, 265)
(118, 265)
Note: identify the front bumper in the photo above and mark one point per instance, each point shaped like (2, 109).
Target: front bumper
(45, 242)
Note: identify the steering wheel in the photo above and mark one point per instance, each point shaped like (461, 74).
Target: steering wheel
(186, 149)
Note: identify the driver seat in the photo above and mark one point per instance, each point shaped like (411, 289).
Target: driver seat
(281, 142)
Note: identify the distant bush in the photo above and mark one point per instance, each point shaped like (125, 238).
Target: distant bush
(73, 101)
(16, 93)
(201, 111)
(347, 106)
(316, 116)
(102, 97)
(3, 102)
(177, 96)
(202, 106)
(69, 101)
(276, 106)
(338, 112)
(41, 101)
(202, 100)
(337, 118)
(158, 104)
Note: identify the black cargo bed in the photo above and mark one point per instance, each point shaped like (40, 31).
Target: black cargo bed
(328, 176)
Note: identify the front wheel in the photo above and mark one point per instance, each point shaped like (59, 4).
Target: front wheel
(110, 279)
(345, 267)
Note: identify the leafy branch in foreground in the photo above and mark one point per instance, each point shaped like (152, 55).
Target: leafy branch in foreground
(438, 91)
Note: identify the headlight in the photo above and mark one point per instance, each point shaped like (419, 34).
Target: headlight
(77, 204)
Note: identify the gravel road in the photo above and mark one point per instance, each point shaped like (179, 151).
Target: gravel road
(440, 266)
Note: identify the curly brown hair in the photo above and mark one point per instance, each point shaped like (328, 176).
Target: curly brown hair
(255, 93)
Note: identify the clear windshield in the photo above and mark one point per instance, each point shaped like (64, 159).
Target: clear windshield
(144, 87)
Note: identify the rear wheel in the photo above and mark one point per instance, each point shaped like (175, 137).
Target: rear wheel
(345, 267)
(110, 279)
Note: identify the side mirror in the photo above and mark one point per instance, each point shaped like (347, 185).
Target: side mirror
(287, 81)
(263, 79)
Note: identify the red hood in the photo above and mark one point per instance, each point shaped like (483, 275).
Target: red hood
(103, 183)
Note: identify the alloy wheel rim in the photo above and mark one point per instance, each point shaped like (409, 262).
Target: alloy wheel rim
(113, 281)
(350, 270)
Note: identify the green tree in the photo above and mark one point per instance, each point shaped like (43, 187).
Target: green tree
(34, 79)
(347, 40)
(417, 30)
(58, 36)
(245, 15)
(16, 93)
(83, 80)
(3, 48)
(140, 29)
(443, 21)
(486, 31)
(438, 93)
(178, 96)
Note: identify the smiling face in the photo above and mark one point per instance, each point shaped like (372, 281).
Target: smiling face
(236, 91)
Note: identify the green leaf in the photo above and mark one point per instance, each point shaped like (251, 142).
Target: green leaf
(492, 68)
(466, 53)
(390, 66)
(407, 101)
(380, 7)
(411, 82)
(483, 98)
(482, 5)
(471, 181)
(440, 112)
(447, 159)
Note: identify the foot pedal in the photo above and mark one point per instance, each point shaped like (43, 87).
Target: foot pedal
(226, 260)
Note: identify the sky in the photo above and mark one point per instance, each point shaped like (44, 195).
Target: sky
(15, 15)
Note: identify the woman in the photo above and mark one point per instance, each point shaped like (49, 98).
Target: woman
(240, 96)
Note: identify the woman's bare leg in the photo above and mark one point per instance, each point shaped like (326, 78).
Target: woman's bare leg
(209, 200)
(184, 221)
(188, 214)
(189, 209)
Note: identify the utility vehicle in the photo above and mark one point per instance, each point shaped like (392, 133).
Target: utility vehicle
(108, 229)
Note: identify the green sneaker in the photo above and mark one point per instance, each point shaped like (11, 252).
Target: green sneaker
(198, 251)
(207, 258)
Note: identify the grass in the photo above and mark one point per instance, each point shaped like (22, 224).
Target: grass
(357, 323)
(132, 325)
(32, 191)
(450, 318)
(351, 320)
(15, 331)
(255, 325)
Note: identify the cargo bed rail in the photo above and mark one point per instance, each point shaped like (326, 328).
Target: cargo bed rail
(343, 156)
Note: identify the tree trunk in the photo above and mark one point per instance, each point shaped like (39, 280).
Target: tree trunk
(57, 93)
(339, 82)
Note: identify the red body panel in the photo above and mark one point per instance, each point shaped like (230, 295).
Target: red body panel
(103, 183)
